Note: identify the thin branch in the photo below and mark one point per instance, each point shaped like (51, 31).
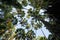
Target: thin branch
(43, 33)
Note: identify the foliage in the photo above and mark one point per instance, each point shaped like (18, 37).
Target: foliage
(41, 38)
(8, 20)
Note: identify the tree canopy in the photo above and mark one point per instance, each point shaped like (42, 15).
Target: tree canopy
(9, 20)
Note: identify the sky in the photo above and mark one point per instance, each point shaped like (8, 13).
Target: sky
(38, 32)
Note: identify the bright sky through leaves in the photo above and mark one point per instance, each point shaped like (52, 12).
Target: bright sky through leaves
(38, 32)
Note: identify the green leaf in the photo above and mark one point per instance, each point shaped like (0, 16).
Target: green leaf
(24, 2)
(14, 21)
(27, 26)
(2, 20)
(18, 5)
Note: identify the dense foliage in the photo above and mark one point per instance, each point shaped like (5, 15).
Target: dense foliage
(9, 19)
